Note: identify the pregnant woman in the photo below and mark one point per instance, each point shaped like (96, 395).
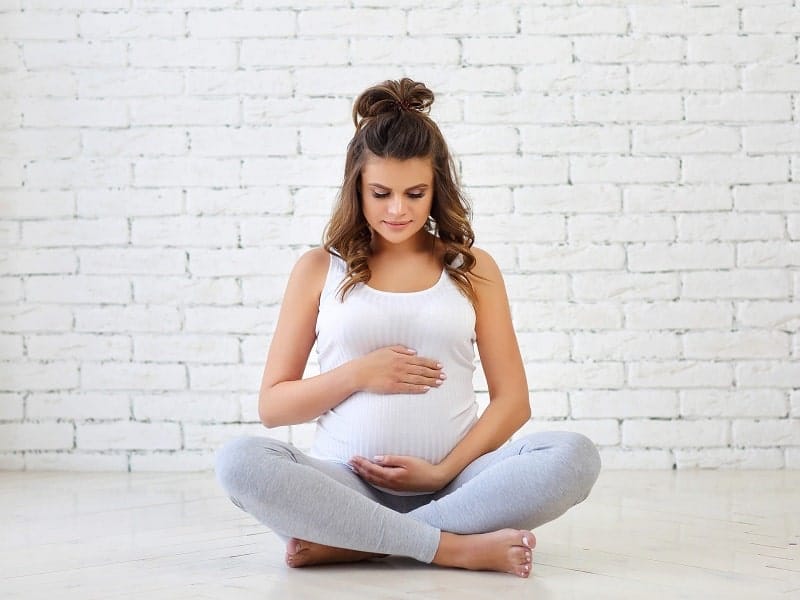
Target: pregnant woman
(396, 300)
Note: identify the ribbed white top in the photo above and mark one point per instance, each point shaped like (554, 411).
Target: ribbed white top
(439, 323)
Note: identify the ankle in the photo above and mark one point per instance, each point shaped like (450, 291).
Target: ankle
(449, 549)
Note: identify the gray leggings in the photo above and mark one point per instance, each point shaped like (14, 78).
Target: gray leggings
(523, 484)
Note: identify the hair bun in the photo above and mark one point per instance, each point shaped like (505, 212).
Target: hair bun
(393, 97)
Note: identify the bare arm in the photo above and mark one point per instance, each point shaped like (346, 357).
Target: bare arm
(285, 397)
(509, 406)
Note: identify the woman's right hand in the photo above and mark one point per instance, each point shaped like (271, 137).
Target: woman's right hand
(398, 370)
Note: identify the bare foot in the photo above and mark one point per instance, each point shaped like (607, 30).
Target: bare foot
(302, 553)
(505, 550)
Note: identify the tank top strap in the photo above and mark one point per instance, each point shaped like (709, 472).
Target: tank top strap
(337, 269)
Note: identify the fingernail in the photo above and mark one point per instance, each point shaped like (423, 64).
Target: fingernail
(442, 376)
(438, 365)
(411, 350)
(525, 541)
(377, 458)
(427, 387)
(438, 382)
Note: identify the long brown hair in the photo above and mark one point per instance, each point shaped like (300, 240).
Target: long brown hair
(392, 121)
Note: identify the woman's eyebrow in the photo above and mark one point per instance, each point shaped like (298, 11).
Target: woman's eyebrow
(413, 187)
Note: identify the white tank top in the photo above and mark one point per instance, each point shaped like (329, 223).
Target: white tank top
(439, 323)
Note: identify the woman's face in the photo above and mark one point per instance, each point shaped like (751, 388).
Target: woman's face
(396, 197)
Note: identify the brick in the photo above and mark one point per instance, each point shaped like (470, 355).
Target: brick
(537, 286)
(185, 111)
(675, 434)
(770, 77)
(293, 52)
(733, 170)
(35, 317)
(461, 79)
(626, 107)
(684, 198)
(324, 140)
(230, 320)
(186, 52)
(187, 408)
(629, 49)
(186, 171)
(132, 376)
(766, 432)
(520, 108)
(742, 283)
(739, 49)
(565, 315)
(726, 227)
(128, 318)
(625, 286)
(573, 139)
(677, 77)
(736, 344)
(84, 53)
(679, 374)
(252, 200)
(34, 144)
(733, 403)
(77, 289)
(683, 20)
(518, 228)
(61, 113)
(573, 20)
(132, 261)
(769, 254)
(657, 256)
(125, 82)
(490, 200)
(10, 348)
(10, 56)
(35, 376)
(577, 198)
(35, 436)
(770, 20)
(729, 458)
(294, 171)
(466, 21)
(243, 141)
(522, 50)
(139, 141)
(283, 231)
(373, 22)
(598, 404)
(183, 461)
(572, 376)
(35, 25)
(625, 345)
(773, 315)
(471, 139)
(549, 405)
(35, 84)
(129, 202)
(188, 349)
(263, 290)
(574, 77)
(11, 405)
(246, 261)
(128, 436)
(612, 228)
(241, 24)
(75, 232)
(543, 345)
(772, 138)
(569, 257)
(32, 262)
(77, 405)
(684, 139)
(184, 232)
(10, 290)
(246, 82)
(624, 169)
(294, 111)
(182, 290)
(767, 374)
(512, 170)
(122, 25)
(680, 314)
(78, 173)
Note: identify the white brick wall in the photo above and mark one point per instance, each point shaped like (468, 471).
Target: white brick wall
(634, 168)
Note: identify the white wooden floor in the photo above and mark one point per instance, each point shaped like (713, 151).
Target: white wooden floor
(686, 534)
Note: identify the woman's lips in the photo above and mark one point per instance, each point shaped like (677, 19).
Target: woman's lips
(396, 225)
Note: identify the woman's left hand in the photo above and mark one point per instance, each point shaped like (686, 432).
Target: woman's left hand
(402, 473)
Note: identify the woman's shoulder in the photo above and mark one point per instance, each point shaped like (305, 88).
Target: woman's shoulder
(485, 266)
(311, 268)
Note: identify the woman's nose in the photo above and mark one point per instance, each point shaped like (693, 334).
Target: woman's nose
(397, 206)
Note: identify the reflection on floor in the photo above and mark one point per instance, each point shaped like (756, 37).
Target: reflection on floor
(685, 534)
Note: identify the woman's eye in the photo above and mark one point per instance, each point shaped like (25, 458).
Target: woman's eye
(417, 196)
(377, 195)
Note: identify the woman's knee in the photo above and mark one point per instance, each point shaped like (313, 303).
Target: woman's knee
(236, 461)
(582, 455)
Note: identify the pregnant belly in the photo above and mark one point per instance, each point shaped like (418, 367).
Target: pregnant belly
(427, 426)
